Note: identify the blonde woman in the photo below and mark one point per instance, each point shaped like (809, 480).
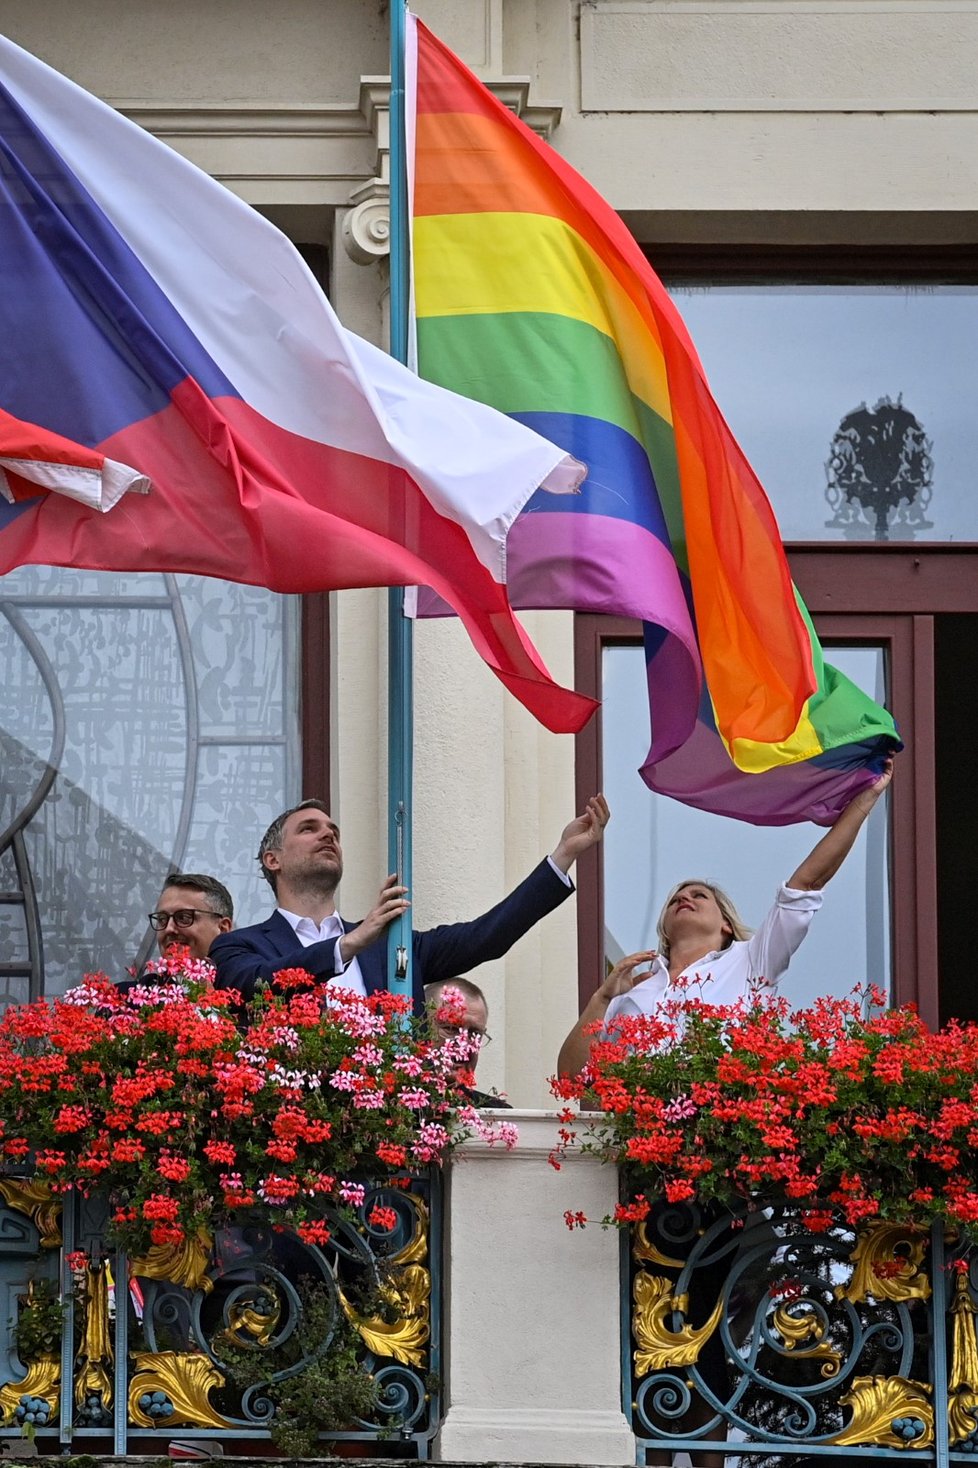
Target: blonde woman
(705, 949)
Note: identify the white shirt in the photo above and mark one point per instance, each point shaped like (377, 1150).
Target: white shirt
(309, 932)
(730, 974)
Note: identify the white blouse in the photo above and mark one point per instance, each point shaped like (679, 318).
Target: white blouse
(731, 973)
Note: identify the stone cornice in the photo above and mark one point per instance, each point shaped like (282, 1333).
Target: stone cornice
(512, 91)
(539, 1135)
(195, 119)
(331, 120)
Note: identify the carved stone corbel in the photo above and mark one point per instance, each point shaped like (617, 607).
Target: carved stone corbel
(366, 228)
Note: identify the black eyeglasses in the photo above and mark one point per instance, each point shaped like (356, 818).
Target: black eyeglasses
(451, 1031)
(184, 917)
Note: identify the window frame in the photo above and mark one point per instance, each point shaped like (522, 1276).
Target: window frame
(884, 595)
(314, 699)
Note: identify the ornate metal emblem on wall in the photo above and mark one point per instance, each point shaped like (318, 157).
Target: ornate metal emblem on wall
(880, 473)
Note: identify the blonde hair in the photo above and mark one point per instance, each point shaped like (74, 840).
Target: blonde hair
(738, 928)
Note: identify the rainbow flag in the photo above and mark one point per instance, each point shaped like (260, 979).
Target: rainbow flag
(531, 295)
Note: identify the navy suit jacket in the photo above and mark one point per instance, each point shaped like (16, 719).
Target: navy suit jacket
(246, 958)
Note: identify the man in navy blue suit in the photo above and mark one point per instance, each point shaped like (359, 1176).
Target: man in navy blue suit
(302, 861)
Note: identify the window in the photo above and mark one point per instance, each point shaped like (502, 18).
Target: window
(848, 401)
(654, 841)
(148, 722)
(918, 608)
(820, 363)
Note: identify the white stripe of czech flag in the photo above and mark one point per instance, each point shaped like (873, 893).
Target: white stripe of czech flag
(55, 463)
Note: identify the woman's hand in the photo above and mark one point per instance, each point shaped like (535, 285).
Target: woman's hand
(622, 978)
(826, 858)
(868, 798)
(576, 1048)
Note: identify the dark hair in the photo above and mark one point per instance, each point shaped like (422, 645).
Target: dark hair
(272, 839)
(199, 881)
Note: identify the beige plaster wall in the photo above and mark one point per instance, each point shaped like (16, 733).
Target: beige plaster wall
(735, 120)
(667, 104)
(492, 792)
(182, 52)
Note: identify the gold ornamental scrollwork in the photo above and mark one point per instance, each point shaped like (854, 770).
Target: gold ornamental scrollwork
(657, 1345)
(33, 1196)
(43, 1380)
(186, 1378)
(876, 1402)
(646, 1252)
(901, 1250)
(415, 1251)
(798, 1324)
(183, 1264)
(405, 1335)
(93, 1375)
(962, 1406)
(402, 1329)
(260, 1325)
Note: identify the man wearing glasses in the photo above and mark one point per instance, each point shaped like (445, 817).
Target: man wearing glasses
(474, 1020)
(192, 911)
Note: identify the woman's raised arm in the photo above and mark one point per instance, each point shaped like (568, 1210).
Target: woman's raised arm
(825, 859)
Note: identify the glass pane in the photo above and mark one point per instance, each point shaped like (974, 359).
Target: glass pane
(169, 709)
(847, 400)
(59, 581)
(13, 925)
(240, 791)
(236, 636)
(653, 842)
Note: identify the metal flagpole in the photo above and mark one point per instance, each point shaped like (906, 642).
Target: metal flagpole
(400, 629)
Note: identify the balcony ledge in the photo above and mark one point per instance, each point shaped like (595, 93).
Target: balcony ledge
(532, 1329)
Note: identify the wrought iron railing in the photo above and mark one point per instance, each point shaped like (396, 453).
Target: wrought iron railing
(775, 1345)
(138, 1352)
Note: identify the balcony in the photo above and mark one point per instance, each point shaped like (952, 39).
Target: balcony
(764, 1342)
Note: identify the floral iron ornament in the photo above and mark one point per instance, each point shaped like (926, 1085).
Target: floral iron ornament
(880, 472)
(962, 1411)
(765, 1331)
(191, 1123)
(793, 1184)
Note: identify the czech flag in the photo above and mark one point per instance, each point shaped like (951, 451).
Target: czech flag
(32, 459)
(153, 325)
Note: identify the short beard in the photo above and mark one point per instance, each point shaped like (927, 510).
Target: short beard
(317, 884)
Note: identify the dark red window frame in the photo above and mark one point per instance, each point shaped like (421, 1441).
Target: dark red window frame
(881, 595)
(314, 712)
